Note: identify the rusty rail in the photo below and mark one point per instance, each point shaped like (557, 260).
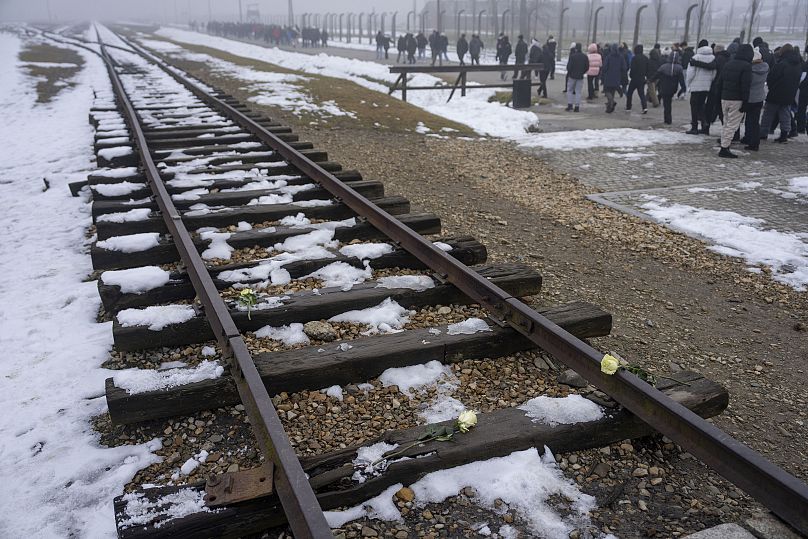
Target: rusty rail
(785, 495)
(291, 484)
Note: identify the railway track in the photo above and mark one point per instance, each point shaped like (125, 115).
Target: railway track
(199, 199)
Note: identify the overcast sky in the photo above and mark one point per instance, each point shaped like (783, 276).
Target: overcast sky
(162, 10)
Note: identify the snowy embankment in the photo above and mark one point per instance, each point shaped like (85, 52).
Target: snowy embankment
(490, 119)
(58, 480)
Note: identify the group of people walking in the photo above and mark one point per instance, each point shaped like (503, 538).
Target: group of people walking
(269, 33)
(739, 83)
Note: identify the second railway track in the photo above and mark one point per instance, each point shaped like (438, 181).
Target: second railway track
(201, 198)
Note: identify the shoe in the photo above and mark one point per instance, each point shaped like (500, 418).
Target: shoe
(751, 148)
(726, 153)
(645, 111)
(569, 108)
(628, 108)
(693, 131)
(577, 109)
(705, 130)
(793, 134)
(781, 139)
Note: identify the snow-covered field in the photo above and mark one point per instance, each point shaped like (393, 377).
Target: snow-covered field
(57, 479)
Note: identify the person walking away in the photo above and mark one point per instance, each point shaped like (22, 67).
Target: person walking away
(714, 99)
(411, 46)
(401, 47)
(639, 74)
(654, 63)
(734, 84)
(520, 55)
(547, 60)
(504, 54)
(595, 63)
(379, 45)
(670, 76)
(434, 47)
(421, 41)
(577, 66)
(475, 48)
(551, 45)
(462, 49)
(757, 92)
(699, 81)
(444, 46)
(612, 74)
(783, 81)
(324, 37)
(386, 43)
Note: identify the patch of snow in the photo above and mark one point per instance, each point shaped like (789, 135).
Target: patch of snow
(208, 351)
(289, 335)
(132, 243)
(416, 376)
(381, 507)
(443, 408)
(739, 236)
(605, 138)
(138, 214)
(468, 326)
(141, 511)
(562, 411)
(386, 317)
(156, 317)
(442, 246)
(144, 380)
(341, 274)
(218, 247)
(136, 280)
(335, 392)
(368, 461)
(117, 189)
(314, 203)
(115, 151)
(419, 283)
(367, 251)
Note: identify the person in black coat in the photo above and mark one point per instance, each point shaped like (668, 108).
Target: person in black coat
(401, 47)
(547, 60)
(412, 46)
(783, 82)
(763, 47)
(802, 104)
(734, 84)
(639, 74)
(422, 42)
(612, 73)
(551, 47)
(504, 51)
(520, 55)
(654, 62)
(462, 49)
(577, 66)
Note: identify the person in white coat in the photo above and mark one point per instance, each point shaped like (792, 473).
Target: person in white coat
(699, 80)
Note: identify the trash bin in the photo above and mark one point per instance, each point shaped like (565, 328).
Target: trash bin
(521, 94)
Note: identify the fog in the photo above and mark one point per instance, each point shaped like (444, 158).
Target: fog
(179, 10)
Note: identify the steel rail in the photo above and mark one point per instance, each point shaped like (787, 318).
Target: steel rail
(299, 503)
(785, 495)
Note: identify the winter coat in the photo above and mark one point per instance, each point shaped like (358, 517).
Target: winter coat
(504, 51)
(687, 55)
(521, 51)
(654, 61)
(639, 70)
(443, 43)
(757, 88)
(475, 46)
(670, 75)
(535, 54)
(547, 58)
(577, 65)
(784, 79)
(595, 60)
(412, 45)
(736, 76)
(551, 44)
(614, 69)
(401, 44)
(421, 41)
(733, 47)
(462, 47)
(700, 79)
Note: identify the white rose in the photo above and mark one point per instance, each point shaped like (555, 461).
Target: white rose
(466, 420)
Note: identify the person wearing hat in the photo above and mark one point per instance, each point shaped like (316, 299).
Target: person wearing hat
(757, 92)
(734, 84)
(783, 81)
(551, 46)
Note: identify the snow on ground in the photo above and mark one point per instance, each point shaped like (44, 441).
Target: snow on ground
(736, 235)
(525, 480)
(59, 481)
(567, 410)
(474, 110)
(606, 138)
(282, 90)
(417, 376)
